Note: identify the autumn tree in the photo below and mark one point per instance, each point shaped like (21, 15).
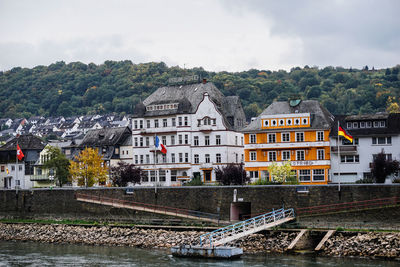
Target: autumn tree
(231, 174)
(59, 163)
(383, 167)
(282, 173)
(125, 173)
(88, 168)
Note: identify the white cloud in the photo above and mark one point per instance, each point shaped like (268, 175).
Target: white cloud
(217, 35)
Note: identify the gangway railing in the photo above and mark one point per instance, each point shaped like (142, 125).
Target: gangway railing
(120, 203)
(348, 206)
(247, 227)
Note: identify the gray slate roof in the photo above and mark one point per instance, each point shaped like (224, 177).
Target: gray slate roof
(321, 118)
(105, 137)
(189, 97)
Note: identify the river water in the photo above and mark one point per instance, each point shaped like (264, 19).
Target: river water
(38, 254)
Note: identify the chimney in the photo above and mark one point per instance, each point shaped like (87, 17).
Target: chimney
(204, 81)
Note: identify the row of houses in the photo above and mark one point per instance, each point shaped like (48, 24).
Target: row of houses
(74, 127)
(202, 130)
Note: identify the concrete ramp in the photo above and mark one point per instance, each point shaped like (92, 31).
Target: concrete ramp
(119, 203)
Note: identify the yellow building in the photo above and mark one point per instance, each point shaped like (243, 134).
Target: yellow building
(292, 130)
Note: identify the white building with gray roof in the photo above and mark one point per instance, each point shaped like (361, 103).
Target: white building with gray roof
(198, 125)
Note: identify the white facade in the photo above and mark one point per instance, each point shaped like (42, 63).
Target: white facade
(13, 176)
(196, 143)
(355, 159)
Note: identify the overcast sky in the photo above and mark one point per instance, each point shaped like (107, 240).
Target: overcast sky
(231, 35)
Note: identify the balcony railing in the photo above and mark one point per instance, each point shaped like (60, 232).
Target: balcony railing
(334, 149)
(42, 177)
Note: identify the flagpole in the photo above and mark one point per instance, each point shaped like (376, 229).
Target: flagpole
(16, 168)
(339, 160)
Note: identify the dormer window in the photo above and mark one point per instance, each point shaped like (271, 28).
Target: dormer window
(362, 124)
(273, 123)
(281, 122)
(304, 121)
(355, 125)
(382, 124)
(289, 122)
(266, 123)
(349, 125)
(297, 121)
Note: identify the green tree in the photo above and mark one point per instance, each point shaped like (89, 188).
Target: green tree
(282, 173)
(59, 163)
(88, 168)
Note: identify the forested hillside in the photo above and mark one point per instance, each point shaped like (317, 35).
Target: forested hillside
(77, 88)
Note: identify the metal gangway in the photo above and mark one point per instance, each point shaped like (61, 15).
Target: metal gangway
(247, 227)
(120, 203)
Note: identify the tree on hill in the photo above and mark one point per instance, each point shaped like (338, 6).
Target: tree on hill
(88, 168)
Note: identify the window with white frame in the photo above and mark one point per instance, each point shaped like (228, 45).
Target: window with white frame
(319, 175)
(141, 159)
(174, 174)
(304, 121)
(272, 138)
(186, 121)
(141, 124)
(136, 159)
(362, 124)
(164, 140)
(300, 155)
(289, 122)
(376, 124)
(320, 136)
(218, 158)
(299, 137)
(155, 123)
(136, 141)
(153, 176)
(368, 124)
(173, 157)
(196, 158)
(297, 121)
(206, 140)
(349, 158)
(304, 175)
(135, 124)
(281, 122)
(285, 137)
(179, 121)
(349, 125)
(173, 122)
(172, 139)
(145, 177)
(180, 157)
(320, 154)
(218, 140)
(186, 157)
(271, 155)
(253, 155)
(196, 140)
(147, 159)
(274, 123)
(266, 123)
(165, 123)
(180, 140)
(382, 124)
(382, 140)
(253, 174)
(147, 141)
(253, 138)
(207, 158)
(186, 139)
(148, 124)
(355, 125)
(286, 155)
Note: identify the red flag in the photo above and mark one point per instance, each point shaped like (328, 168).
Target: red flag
(20, 155)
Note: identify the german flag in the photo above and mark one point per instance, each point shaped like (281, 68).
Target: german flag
(343, 133)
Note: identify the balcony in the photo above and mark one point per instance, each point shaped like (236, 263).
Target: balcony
(205, 128)
(344, 149)
(42, 177)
